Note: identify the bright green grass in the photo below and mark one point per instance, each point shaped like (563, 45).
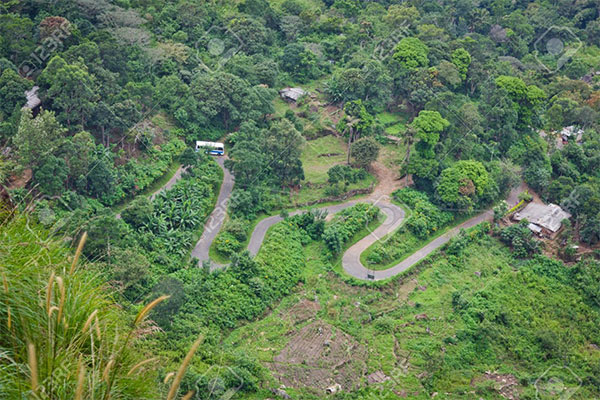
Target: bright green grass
(316, 167)
(280, 106)
(388, 118)
(307, 194)
(436, 354)
(221, 258)
(396, 129)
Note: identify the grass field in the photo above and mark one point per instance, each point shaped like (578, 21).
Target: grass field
(394, 123)
(315, 165)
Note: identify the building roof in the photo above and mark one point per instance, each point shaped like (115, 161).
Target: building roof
(535, 228)
(569, 131)
(547, 216)
(32, 98)
(292, 93)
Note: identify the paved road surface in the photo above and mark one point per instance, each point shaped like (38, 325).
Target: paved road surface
(217, 217)
(351, 259)
(166, 186)
(394, 217)
(170, 183)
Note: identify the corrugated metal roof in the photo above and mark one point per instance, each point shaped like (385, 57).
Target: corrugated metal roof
(32, 98)
(292, 93)
(548, 216)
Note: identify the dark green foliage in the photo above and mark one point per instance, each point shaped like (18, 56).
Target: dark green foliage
(345, 174)
(139, 212)
(163, 313)
(132, 79)
(520, 238)
(462, 185)
(227, 244)
(364, 151)
(243, 291)
(52, 175)
(301, 63)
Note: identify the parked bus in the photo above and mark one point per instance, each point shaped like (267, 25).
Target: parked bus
(212, 148)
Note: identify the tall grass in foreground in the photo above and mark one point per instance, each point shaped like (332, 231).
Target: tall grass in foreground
(61, 335)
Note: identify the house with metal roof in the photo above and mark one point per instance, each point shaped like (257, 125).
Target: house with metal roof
(292, 94)
(32, 98)
(544, 219)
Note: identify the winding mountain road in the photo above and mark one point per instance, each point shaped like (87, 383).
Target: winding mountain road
(394, 217)
(216, 218)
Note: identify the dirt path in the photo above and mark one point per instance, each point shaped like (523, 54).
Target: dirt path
(387, 181)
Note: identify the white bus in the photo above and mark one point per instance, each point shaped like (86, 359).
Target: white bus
(212, 148)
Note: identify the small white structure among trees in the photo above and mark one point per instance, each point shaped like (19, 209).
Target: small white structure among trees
(292, 94)
(543, 218)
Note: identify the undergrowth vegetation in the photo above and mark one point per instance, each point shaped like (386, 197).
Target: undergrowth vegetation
(469, 315)
(61, 336)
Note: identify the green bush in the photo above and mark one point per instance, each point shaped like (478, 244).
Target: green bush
(347, 223)
(245, 289)
(426, 218)
(227, 244)
(238, 228)
(520, 238)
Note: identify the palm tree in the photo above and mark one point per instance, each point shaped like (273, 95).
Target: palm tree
(409, 139)
(351, 123)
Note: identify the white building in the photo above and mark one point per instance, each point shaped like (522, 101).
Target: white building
(543, 218)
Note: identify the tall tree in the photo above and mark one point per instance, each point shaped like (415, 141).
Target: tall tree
(462, 185)
(38, 137)
(71, 89)
(365, 151)
(412, 53)
(284, 147)
(428, 126)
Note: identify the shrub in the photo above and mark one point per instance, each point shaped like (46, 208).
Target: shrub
(238, 228)
(345, 174)
(346, 224)
(426, 217)
(138, 212)
(520, 239)
(227, 244)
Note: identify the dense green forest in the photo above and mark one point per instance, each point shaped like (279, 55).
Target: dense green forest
(440, 108)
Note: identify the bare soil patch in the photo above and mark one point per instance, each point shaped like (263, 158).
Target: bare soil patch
(20, 181)
(388, 180)
(302, 311)
(507, 385)
(318, 356)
